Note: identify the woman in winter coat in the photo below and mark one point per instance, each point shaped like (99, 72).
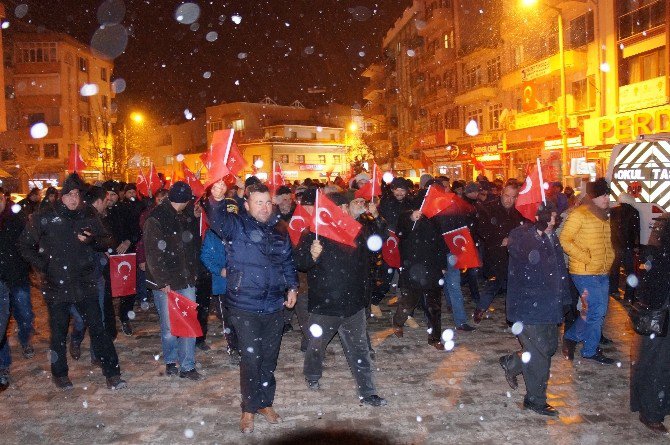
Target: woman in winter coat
(650, 373)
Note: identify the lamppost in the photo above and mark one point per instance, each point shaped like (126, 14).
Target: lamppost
(564, 100)
(137, 118)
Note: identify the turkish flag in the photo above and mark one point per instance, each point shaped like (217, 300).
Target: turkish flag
(276, 178)
(236, 162)
(196, 186)
(217, 157)
(299, 222)
(391, 250)
(372, 188)
(204, 225)
(150, 183)
(437, 201)
(532, 193)
(462, 246)
(122, 270)
(183, 316)
(75, 162)
(332, 222)
(528, 102)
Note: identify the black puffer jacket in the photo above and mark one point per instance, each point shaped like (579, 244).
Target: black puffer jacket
(172, 247)
(13, 269)
(390, 209)
(50, 244)
(494, 223)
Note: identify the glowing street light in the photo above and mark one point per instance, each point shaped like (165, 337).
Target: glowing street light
(138, 118)
(353, 127)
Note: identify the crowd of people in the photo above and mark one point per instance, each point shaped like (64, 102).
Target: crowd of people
(558, 269)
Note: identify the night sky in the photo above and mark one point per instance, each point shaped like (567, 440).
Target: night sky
(280, 48)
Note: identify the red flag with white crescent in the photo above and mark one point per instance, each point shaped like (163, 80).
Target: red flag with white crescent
(196, 186)
(531, 194)
(217, 156)
(298, 224)
(75, 162)
(276, 178)
(463, 248)
(391, 250)
(183, 315)
(331, 221)
(373, 187)
(122, 270)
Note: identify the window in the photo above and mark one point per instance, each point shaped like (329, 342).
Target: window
(7, 154)
(332, 136)
(337, 159)
(33, 150)
(84, 124)
(83, 64)
(322, 159)
(51, 151)
(494, 116)
(473, 77)
(35, 118)
(105, 102)
(449, 40)
(33, 52)
(476, 115)
(169, 160)
(493, 69)
(215, 126)
(283, 159)
(581, 30)
(103, 74)
(300, 159)
(314, 136)
(294, 135)
(584, 94)
(450, 79)
(641, 67)
(238, 125)
(451, 118)
(255, 158)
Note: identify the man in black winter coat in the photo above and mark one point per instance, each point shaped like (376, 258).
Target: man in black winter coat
(337, 276)
(494, 223)
(537, 286)
(61, 243)
(625, 227)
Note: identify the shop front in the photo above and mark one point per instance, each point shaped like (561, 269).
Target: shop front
(451, 161)
(488, 161)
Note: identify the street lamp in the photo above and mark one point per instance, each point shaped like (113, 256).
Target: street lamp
(564, 100)
(137, 118)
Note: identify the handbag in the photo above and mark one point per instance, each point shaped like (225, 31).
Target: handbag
(648, 321)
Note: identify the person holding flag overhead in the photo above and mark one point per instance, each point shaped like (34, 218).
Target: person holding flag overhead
(261, 281)
(172, 248)
(337, 265)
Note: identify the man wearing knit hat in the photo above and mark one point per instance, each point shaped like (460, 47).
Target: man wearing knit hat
(586, 239)
(172, 246)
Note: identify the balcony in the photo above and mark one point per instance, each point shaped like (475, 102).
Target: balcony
(437, 21)
(574, 61)
(484, 92)
(371, 91)
(645, 94)
(642, 19)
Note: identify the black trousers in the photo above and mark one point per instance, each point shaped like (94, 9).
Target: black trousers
(223, 314)
(203, 296)
(408, 301)
(354, 338)
(101, 342)
(259, 337)
(541, 341)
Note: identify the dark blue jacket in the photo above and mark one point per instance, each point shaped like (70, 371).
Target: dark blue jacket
(538, 280)
(260, 260)
(213, 256)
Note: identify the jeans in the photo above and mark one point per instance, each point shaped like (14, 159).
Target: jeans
(22, 310)
(625, 258)
(540, 341)
(354, 339)
(175, 349)
(101, 342)
(259, 337)
(5, 355)
(453, 294)
(491, 288)
(408, 301)
(589, 330)
(471, 279)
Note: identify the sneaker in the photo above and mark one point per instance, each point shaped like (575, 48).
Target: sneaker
(28, 351)
(116, 382)
(465, 328)
(171, 369)
(4, 379)
(313, 385)
(376, 311)
(63, 383)
(411, 322)
(601, 358)
(546, 410)
(191, 375)
(512, 381)
(374, 400)
(203, 346)
(75, 350)
(126, 328)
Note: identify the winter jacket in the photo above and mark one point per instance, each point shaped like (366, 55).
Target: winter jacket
(172, 247)
(587, 240)
(116, 217)
(213, 256)
(13, 269)
(494, 223)
(538, 282)
(423, 253)
(133, 209)
(337, 281)
(51, 245)
(390, 209)
(625, 227)
(260, 259)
